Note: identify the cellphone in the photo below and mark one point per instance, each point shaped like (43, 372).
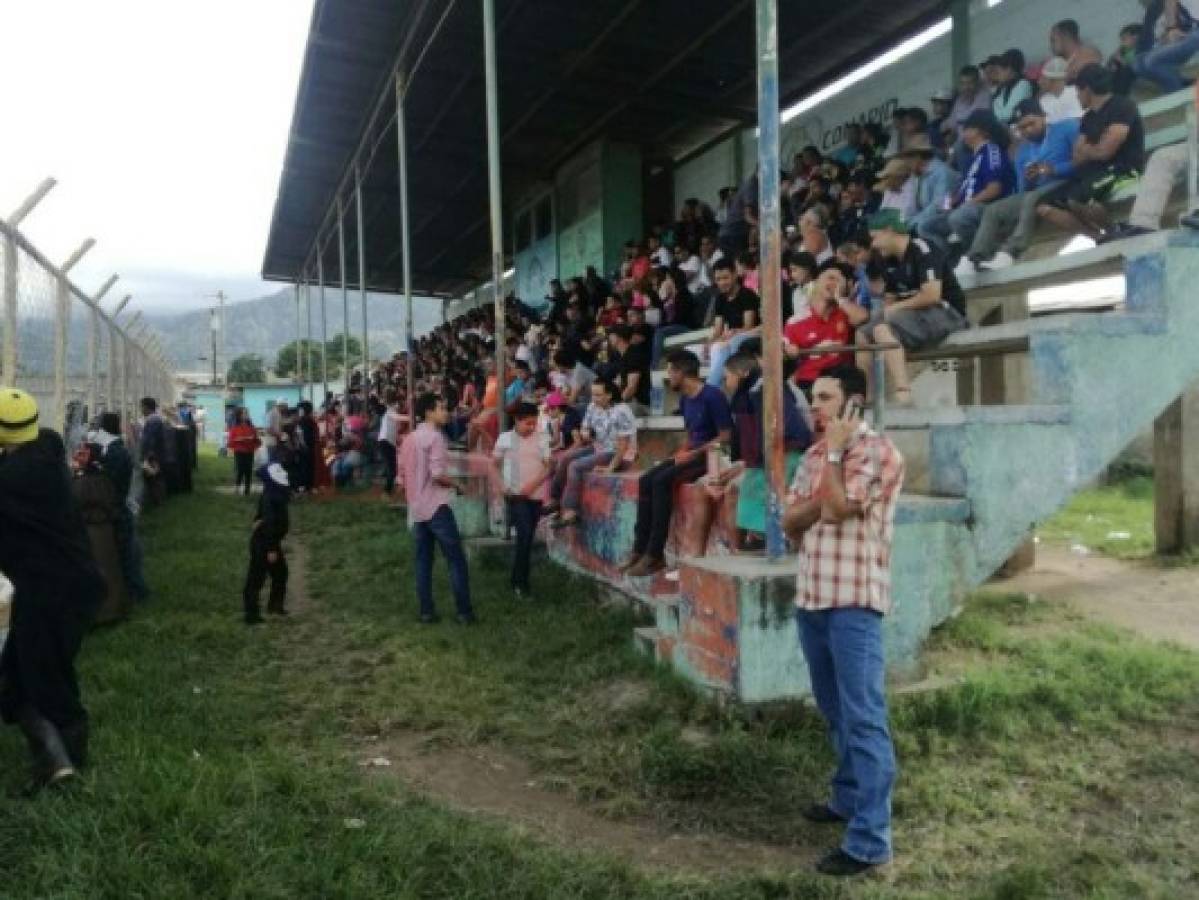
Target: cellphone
(853, 408)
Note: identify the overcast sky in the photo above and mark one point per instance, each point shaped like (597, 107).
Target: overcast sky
(165, 124)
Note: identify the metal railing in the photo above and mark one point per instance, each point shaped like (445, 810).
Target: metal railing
(58, 344)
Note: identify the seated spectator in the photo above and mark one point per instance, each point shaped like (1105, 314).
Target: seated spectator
(563, 422)
(813, 234)
(1165, 171)
(1066, 42)
(612, 313)
(1043, 159)
(708, 424)
(679, 310)
(942, 103)
(856, 205)
(1179, 42)
(691, 267)
(609, 433)
(848, 155)
(659, 254)
(1012, 88)
(633, 369)
(1109, 151)
(520, 384)
(898, 187)
(924, 302)
(747, 270)
(737, 319)
(1058, 99)
(989, 178)
(831, 322)
(576, 386)
(520, 463)
(743, 383)
(801, 272)
(1123, 63)
(936, 182)
(742, 216)
(972, 97)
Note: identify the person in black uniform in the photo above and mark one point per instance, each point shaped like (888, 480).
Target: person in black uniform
(117, 463)
(45, 553)
(266, 544)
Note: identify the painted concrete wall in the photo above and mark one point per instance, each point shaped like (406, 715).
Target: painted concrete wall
(911, 81)
(259, 398)
(622, 201)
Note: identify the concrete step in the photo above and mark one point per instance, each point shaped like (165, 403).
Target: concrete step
(909, 418)
(645, 641)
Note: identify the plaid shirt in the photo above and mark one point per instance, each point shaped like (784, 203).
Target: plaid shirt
(849, 564)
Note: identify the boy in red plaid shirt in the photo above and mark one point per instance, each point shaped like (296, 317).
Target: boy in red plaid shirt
(841, 513)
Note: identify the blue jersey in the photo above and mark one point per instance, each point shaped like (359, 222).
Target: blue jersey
(990, 164)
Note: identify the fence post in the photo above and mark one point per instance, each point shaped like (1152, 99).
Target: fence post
(8, 356)
(93, 349)
(62, 324)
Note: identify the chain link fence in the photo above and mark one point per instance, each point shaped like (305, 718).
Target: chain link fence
(57, 344)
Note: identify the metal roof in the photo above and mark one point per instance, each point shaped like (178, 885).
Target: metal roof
(668, 75)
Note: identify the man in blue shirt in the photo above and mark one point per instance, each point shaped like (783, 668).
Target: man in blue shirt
(937, 180)
(989, 178)
(709, 423)
(1043, 159)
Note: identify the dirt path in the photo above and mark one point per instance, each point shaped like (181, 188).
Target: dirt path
(1158, 603)
(490, 782)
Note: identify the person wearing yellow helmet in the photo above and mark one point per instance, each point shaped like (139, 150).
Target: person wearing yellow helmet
(45, 553)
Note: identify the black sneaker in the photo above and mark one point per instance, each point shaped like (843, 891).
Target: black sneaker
(429, 618)
(840, 864)
(255, 619)
(466, 620)
(1190, 220)
(822, 814)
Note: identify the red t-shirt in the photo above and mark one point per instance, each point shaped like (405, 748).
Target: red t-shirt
(807, 333)
(243, 438)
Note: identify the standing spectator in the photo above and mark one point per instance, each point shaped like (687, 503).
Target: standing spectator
(1058, 99)
(1043, 159)
(1065, 41)
(971, 98)
(117, 464)
(152, 452)
(271, 524)
(428, 489)
(307, 447)
(521, 461)
(1109, 151)
(389, 430)
(45, 553)
(841, 513)
(242, 441)
(989, 178)
(708, 424)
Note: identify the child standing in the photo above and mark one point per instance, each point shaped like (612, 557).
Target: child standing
(242, 442)
(521, 460)
(266, 544)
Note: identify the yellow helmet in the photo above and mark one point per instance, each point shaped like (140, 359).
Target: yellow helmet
(18, 417)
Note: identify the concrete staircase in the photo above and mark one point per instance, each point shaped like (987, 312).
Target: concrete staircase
(979, 478)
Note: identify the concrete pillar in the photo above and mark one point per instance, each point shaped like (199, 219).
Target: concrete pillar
(1176, 474)
(959, 38)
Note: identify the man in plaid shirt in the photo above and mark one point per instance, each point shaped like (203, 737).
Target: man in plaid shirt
(841, 513)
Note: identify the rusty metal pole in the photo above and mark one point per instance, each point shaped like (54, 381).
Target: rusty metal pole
(406, 249)
(770, 241)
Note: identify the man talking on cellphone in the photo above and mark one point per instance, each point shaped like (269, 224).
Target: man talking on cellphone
(841, 513)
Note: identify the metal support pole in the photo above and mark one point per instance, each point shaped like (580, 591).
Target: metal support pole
(299, 368)
(320, 278)
(345, 299)
(879, 371)
(8, 354)
(771, 242)
(406, 248)
(308, 373)
(62, 324)
(497, 214)
(360, 215)
(93, 349)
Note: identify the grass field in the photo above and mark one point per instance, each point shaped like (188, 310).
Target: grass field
(1114, 519)
(1061, 759)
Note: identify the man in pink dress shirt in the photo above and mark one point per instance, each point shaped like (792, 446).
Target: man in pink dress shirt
(428, 490)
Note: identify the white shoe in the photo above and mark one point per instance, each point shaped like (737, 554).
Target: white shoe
(1000, 260)
(964, 267)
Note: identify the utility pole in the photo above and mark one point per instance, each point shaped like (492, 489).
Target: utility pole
(214, 326)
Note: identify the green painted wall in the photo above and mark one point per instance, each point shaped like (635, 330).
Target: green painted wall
(622, 194)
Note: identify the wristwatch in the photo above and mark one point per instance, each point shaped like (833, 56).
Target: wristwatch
(835, 456)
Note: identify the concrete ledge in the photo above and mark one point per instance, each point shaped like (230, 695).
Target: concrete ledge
(914, 417)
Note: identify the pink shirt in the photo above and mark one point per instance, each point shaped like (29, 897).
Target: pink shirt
(423, 458)
(522, 460)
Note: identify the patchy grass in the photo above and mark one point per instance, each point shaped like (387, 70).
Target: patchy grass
(1115, 519)
(1061, 762)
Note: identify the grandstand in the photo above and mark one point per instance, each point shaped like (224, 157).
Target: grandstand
(601, 134)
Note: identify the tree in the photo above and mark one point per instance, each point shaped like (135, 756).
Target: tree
(334, 349)
(246, 369)
(285, 359)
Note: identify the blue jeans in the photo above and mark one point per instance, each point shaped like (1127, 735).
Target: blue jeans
(844, 651)
(442, 528)
(523, 513)
(962, 221)
(130, 550)
(1161, 64)
(719, 354)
